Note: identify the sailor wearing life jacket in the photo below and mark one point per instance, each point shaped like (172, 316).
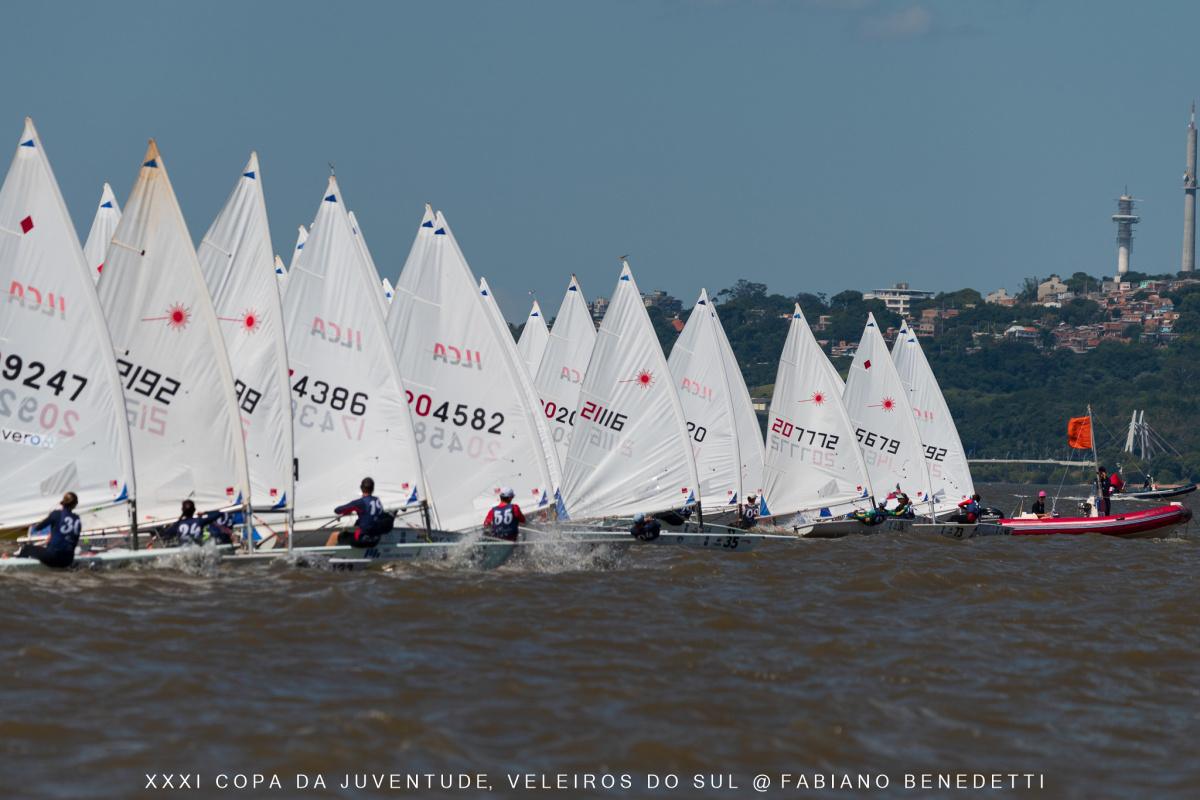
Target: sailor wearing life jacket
(64, 528)
(372, 521)
(749, 515)
(185, 530)
(504, 521)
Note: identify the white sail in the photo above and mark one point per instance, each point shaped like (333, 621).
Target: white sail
(235, 257)
(533, 339)
(813, 461)
(698, 367)
(366, 254)
(350, 413)
(631, 450)
(179, 394)
(526, 382)
(280, 275)
(877, 403)
(108, 214)
(749, 432)
(563, 364)
(949, 474)
(62, 411)
(389, 291)
(474, 424)
(301, 238)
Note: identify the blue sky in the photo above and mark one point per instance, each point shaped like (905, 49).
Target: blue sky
(813, 145)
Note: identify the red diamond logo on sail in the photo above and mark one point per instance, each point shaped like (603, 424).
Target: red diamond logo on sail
(27, 225)
(867, 364)
(229, 491)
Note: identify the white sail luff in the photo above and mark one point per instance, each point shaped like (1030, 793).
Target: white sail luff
(235, 257)
(813, 461)
(630, 451)
(562, 366)
(476, 428)
(301, 238)
(179, 388)
(525, 383)
(351, 415)
(877, 402)
(52, 322)
(945, 458)
(108, 215)
(533, 339)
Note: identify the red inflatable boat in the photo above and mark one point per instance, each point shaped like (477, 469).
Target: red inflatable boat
(1150, 524)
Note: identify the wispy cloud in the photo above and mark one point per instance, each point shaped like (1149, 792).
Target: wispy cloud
(913, 22)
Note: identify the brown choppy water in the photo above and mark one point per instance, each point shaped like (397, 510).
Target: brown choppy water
(1075, 658)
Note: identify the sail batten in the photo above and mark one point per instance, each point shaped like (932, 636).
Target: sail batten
(69, 431)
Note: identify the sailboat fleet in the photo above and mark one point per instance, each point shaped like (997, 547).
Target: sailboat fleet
(141, 370)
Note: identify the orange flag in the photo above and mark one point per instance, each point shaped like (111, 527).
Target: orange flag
(1079, 433)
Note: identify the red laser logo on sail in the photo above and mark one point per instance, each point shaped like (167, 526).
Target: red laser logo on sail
(178, 316)
(818, 398)
(249, 321)
(644, 379)
(887, 404)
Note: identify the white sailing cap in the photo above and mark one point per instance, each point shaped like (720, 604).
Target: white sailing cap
(507, 491)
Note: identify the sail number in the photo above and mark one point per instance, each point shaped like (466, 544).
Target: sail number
(247, 398)
(30, 373)
(935, 453)
(556, 413)
(788, 431)
(877, 441)
(697, 432)
(462, 416)
(147, 382)
(338, 398)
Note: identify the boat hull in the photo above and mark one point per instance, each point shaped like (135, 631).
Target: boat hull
(1149, 524)
(1156, 494)
(836, 529)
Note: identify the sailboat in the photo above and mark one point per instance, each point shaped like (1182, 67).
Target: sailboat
(1142, 442)
(179, 389)
(526, 385)
(235, 257)
(720, 418)
(533, 339)
(351, 418)
(108, 214)
(62, 409)
(562, 366)
(631, 450)
(884, 424)
(474, 424)
(945, 458)
(814, 468)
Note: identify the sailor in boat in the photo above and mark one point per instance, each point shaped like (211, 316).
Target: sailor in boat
(1116, 481)
(372, 523)
(193, 529)
(749, 515)
(870, 516)
(64, 528)
(1039, 505)
(968, 510)
(1103, 491)
(646, 530)
(504, 520)
(904, 507)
